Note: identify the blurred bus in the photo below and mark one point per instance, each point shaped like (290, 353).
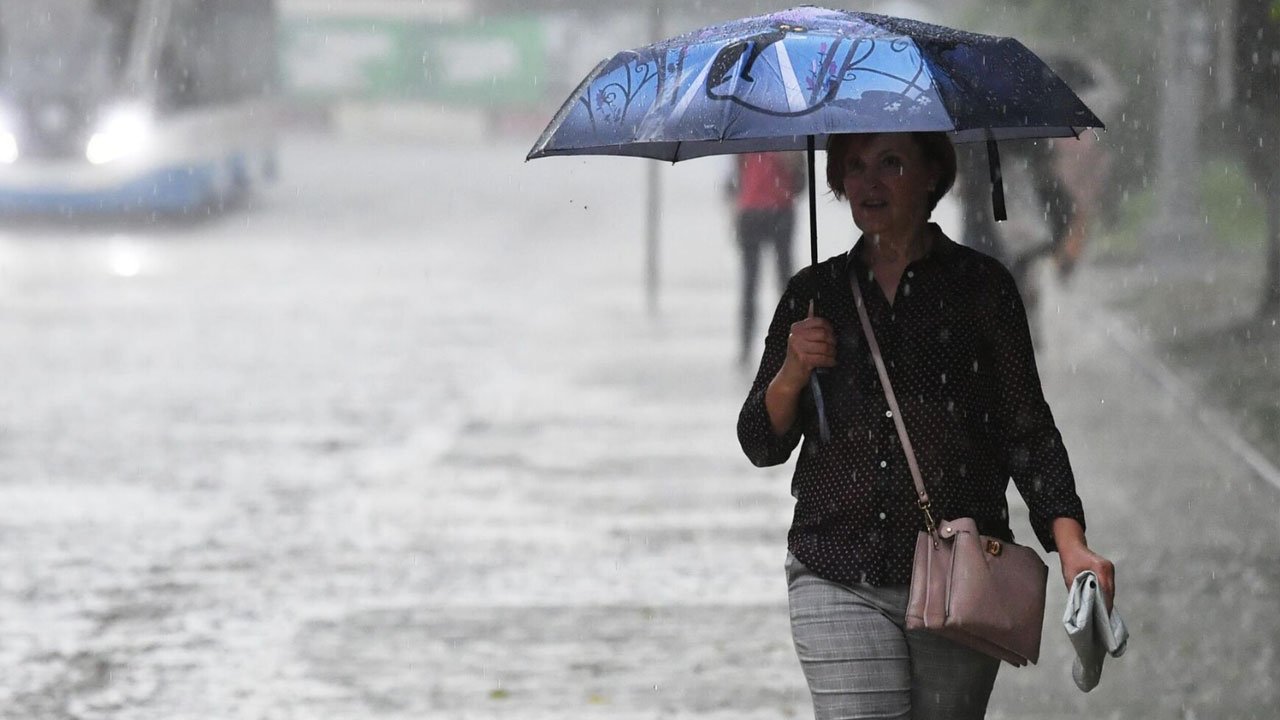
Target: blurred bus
(160, 106)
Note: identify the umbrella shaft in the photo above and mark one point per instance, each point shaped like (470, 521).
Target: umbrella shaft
(813, 204)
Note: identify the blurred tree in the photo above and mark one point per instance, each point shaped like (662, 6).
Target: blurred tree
(1257, 111)
(1185, 66)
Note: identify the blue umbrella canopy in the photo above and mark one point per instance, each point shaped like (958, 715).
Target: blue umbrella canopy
(771, 82)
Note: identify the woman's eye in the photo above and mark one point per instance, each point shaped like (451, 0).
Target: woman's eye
(892, 161)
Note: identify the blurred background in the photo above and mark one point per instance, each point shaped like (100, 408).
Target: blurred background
(320, 402)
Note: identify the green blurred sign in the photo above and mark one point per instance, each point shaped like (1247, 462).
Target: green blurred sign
(496, 62)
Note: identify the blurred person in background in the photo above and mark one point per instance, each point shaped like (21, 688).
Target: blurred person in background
(1053, 189)
(1074, 171)
(1034, 202)
(953, 334)
(1082, 166)
(764, 188)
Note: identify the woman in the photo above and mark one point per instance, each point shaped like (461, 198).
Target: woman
(953, 333)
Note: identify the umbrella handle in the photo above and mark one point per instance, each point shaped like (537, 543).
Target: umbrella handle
(824, 430)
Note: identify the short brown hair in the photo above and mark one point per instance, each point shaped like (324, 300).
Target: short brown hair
(935, 146)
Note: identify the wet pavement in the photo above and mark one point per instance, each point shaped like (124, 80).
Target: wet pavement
(402, 441)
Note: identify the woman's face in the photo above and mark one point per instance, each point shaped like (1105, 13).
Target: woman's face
(887, 182)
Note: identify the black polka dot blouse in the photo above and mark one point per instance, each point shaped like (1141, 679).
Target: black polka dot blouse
(958, 351)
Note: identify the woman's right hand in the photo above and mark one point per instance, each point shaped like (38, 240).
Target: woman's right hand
(811, 344)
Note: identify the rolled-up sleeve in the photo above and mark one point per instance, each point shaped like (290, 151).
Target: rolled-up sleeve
(764, 447)
(1031, 445)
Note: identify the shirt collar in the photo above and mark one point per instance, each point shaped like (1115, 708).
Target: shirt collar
(942, 251)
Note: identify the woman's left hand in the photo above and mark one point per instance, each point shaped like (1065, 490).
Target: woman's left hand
(1076, 558)
(1079, 558)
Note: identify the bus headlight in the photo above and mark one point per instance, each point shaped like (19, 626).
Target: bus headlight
(8, 147)
(122, 132)
(8, 136)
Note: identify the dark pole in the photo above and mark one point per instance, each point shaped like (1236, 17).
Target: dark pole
(654, 205)
(653, 214)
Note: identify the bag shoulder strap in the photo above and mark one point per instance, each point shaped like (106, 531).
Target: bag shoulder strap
(921, 494)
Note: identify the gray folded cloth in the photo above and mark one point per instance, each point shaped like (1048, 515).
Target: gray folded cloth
(1093, 632)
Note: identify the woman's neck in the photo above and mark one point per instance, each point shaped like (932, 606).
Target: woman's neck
(885, 249)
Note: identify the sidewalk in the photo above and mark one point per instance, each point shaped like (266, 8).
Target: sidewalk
(632, 561)
(404, 443)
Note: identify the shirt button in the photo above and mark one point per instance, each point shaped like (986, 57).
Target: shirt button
(888, 413)
(882, 516)
(884, 464)
(911, 273)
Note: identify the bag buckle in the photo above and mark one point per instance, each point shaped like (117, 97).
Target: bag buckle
(994, 547)
(932, 526)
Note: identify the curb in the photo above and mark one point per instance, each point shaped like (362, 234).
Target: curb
(1218, 426)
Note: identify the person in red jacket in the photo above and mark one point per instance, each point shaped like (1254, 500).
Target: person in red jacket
(765, 187)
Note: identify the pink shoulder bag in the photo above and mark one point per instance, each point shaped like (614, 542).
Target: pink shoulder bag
(982, 592)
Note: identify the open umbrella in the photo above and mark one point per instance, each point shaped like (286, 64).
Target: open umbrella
(786, 80)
